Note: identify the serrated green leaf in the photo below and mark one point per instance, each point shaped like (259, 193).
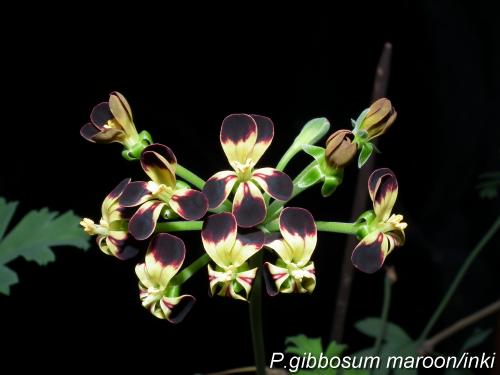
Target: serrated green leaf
(393, 333)
(313, 176)
(312, 131)
(34, 236)
(7, 278)
(335, 349)
(364, 155)
(476, 338)
(316, 152)
(301, 344)
(6, 212)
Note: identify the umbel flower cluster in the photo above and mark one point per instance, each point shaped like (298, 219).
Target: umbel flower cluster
(240, 211)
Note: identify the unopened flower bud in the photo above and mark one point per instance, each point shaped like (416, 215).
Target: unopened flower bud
(381, 115)
(340, 148)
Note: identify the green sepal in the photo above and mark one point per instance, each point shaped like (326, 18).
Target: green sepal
(363, 223)
(360, 119)
(364, 155)
(331, 183)
(312, 131)
(312, 177)
(134, 152)
(316, 152)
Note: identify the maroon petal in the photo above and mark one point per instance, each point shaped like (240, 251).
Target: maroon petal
(101, 114)
(383, 189)
(275, 183)
(271, 288)
(134, 194)
(265, 134)
(181, 308)
(237, 136)
(218, 187)
(143, 223)
(189, 204)
(88, 131)
(255, 239)
(249, 207)
(118, 190)
(157, 164)
(219, 230)
(369, 255)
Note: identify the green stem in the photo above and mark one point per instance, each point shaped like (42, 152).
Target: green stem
(384, 315)
(189, 176)
(458, 278)
(190, 270)
(256, 319)
(289, 154)
(179, 226)
(337, 227)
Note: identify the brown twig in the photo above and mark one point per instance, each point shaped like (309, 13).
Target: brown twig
(379, 90)
(429, 345)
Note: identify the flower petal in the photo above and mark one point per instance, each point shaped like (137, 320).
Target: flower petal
(156, 164)
(189, 204)
(143, 223)
(88, 131)
(238, 135)
(175, 309)
(383, 189)
(101, 114)
(218, 236)
(246, 246)
(369, 255)
(275, 183)
(246, 279)
(109, 135)
(121, 111)
(265, 134)
(298, 228)
(278, 244)
(248, 205)
(135, 193)
(274, 277)
(164, 258)
(218, 187)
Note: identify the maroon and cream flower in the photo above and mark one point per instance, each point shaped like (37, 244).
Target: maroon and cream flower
(158, 294)
(162, 194)
(112, 235)
(230, 251)
(385, 231)
(294, 271)
(244, 139)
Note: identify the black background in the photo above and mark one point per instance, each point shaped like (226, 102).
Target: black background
(183, 72)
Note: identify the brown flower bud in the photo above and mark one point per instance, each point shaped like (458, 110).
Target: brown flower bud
(340, 149)
(381, 115)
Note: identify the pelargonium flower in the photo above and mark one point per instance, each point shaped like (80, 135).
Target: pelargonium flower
(294, 271)
(160, 194)
(244, 139)
(383, 231)
(112, 121)
(230, 252)
(112, 235)
(158, 294)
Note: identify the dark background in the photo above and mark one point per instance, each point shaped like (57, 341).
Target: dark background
(183, 72)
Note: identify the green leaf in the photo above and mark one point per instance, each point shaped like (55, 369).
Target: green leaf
(312, 132)
(34, 236)
(6, 212)
(364, 155)
(311, 177)
(7, 278)
(476, 338)
(393, 333)
(335, 349)
(301, 344)
(316, 152)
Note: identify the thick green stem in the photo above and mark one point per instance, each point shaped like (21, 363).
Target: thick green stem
(256, 319)
(289, 154)
(458, 278)
(179, 226)
(190, 270)
(189, 176)
(337, 227)
(384, 315)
